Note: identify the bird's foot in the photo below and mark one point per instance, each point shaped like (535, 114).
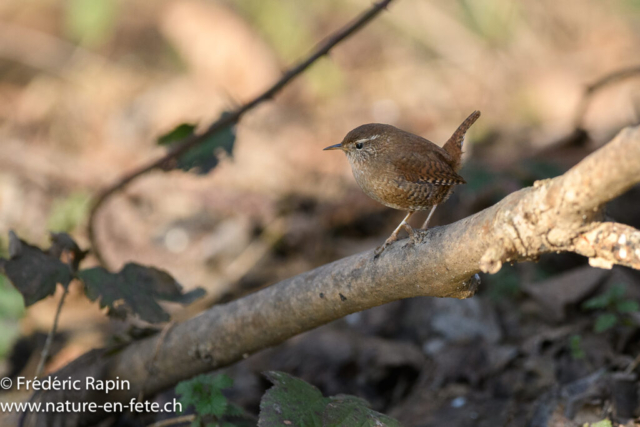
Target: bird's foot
(384, 246)
(414, 236)
(394, 235)
(381, 248)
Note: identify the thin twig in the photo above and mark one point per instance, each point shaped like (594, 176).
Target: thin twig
(52, 332)
(579, 135)
(596, 86)
(633, 365)
(229, 119)
(174, 421)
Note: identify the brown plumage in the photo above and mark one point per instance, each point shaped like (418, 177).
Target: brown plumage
(402, 170)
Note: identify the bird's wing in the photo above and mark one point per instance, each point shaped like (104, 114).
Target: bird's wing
(423, 168)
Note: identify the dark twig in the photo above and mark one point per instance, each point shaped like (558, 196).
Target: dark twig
(579, 135)
(183, 419)
(47, 345)
(229, 119)
(596, 86)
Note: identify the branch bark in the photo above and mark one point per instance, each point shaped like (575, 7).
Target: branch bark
(560, 214)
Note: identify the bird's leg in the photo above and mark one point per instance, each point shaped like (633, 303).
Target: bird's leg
(394, 235)
(424, 226)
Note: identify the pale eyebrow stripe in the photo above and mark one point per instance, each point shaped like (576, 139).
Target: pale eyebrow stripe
(368, 139)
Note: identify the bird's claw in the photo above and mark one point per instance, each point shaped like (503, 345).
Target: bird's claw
(384, 246)
(414, 236)
(379, 251)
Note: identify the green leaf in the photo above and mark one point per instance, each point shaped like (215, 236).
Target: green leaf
(603, 423)
(627, 306)
(212, 404)
(612, 296)
(203, 157)
(604, 322)
(617, 291)
(135, 289)
(34, 272)
(203, 392)
(348, 411)
(221, 381)
(179, 133)
(600, 301)
(292, 402)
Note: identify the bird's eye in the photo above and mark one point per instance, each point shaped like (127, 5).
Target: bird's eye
(359, 145)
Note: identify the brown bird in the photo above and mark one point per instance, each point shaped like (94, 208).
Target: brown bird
(404, 171)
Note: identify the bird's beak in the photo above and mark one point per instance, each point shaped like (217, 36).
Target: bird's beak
(333, 147)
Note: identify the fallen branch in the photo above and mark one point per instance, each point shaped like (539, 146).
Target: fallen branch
(226, 120)
(560, 214)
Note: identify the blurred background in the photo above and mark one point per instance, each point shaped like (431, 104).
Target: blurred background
(87, 86)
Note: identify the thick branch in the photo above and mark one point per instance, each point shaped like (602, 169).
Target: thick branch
(554, 215)
(228, 119)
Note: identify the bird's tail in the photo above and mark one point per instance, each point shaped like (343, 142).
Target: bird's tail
(454, 145)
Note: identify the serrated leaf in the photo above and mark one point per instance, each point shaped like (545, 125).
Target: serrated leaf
(34, 272)
(350, 411)
(627, 306)
(203, 157)
(292, 402)
(213, 404)
(184, 390)
(604, 322)
(135, 290)
(203, 392)
(221, 381)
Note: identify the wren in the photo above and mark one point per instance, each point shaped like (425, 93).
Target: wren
(404, 171)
